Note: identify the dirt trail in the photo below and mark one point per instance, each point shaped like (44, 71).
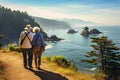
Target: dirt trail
(14, 70)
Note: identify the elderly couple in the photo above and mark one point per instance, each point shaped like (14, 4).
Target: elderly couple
(31, 43)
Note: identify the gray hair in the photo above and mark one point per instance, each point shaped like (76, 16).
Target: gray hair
(36, 29)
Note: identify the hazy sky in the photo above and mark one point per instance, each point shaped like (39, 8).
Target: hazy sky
(98, 11)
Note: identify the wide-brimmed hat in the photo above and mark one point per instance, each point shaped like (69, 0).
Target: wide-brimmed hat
(28, 27)
(36, 29)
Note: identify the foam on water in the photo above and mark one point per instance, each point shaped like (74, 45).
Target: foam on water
(48, 46)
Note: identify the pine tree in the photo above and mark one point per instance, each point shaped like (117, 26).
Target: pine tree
(1, 36)
(12, 22)
(106, 56)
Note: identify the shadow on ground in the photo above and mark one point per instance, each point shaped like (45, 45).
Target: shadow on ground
(48, 75)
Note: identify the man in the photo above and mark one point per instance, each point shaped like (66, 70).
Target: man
(26, 47)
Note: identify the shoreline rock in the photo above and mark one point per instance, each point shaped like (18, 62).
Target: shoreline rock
(71, 31)
(95, 31)
(86, 32)
(54, 38)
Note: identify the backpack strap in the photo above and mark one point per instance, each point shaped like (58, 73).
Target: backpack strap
(28, 37)
(24, 38)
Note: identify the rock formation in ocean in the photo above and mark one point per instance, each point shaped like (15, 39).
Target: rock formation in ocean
(71, 31)
(94, 31)
(86, 32)
(54, 38)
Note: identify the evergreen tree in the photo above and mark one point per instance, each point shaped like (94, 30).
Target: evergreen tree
(1, 36)
(12, 22)
(106, 56)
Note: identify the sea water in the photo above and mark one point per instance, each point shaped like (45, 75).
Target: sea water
(75, 46)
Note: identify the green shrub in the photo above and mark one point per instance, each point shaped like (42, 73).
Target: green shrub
(63, 62)
(48, 58)
(13, 47)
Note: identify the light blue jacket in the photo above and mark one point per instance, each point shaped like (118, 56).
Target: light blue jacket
(38, 40)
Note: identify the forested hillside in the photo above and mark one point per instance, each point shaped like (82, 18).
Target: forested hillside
(13, 22)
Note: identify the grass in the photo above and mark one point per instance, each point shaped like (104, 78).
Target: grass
(71, 74)
(76, 75)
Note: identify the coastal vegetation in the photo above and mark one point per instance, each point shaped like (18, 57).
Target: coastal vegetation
(70, 72)
(106, 57)
(13, 47)
(12, 22)
(62, 62)
(1, 36)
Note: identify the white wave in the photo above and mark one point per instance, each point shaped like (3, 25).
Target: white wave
(93, 69)
(65, 40)
(48, 46)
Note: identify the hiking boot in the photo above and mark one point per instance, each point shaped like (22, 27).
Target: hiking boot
(25, 67)
(30, 67)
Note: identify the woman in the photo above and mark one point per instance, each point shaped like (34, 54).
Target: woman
(38, 46)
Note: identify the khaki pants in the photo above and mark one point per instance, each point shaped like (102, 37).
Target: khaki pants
(37, 55)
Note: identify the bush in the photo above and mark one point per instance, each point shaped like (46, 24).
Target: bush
(48, 58)
(63, 62)
(13, 47)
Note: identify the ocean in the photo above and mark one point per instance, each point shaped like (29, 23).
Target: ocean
(75, 46)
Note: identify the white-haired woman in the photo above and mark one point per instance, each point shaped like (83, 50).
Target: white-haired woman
(38, 46)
